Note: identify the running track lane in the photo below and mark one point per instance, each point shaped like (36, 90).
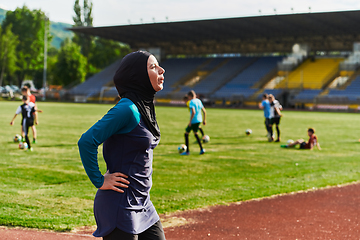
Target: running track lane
(331, 213)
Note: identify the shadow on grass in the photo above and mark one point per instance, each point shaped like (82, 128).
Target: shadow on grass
(58, 145)
(349, 142)
(170, 143)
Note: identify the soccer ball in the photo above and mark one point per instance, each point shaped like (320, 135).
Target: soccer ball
(182, 148)
(205, 139)
(23, 145)
(290, 141)
(248, 131)
(17, 138)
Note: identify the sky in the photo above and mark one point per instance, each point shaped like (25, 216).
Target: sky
(120, 12)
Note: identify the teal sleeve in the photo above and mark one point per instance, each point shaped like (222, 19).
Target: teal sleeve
(120, 119)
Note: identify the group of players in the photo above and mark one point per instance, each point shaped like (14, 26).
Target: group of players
(272, 113)
(28, 111)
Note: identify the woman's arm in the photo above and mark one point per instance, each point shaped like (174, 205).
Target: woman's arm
(120, 119)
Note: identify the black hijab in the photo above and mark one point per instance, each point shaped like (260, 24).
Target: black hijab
(132, 81)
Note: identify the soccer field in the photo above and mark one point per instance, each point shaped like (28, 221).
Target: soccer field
(48, 188)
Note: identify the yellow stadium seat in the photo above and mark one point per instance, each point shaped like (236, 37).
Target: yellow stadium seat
(311, 74)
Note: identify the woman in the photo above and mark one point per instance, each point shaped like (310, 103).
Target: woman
(130, 132)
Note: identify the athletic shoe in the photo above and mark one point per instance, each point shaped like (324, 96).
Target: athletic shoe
(277, 140)
(34, 141)
(284, 146)
(185, 153)
(202, 152)
(29, 149)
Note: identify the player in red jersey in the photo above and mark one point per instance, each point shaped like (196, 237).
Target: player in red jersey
(313, 141)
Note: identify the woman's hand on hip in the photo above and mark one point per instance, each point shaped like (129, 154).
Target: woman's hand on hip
(112, 181)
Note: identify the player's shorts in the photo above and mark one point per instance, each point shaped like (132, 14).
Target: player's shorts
(275, 120)
(29, 122)
(303, 145)
(194, 127)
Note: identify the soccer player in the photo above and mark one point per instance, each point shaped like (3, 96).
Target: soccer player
(29, 115)
(187, 102)
(265, 105)
(313, 141)
(196, 107)
(25, 91)
(275, 115)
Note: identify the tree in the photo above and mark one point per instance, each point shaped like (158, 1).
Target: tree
(8, 43)
(83, 18)
(70, 67)
(29, 26)
(106, 51)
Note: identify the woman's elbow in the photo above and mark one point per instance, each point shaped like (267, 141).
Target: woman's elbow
(81, 141)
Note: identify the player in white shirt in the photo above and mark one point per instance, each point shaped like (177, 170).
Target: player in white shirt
(29, 116)
(275, 114)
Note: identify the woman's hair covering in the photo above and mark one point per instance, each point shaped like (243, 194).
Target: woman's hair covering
(132, 81)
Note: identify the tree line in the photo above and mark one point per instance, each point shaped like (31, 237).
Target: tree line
(22, 37)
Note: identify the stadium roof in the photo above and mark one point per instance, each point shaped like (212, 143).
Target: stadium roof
(330, 31)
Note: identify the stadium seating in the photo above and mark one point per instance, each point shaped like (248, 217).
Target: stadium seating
(222, 74)
(242, 83)
(231, 78)
(352, 92)
(275, 92)
(312, 74)
(93, 85)
(307, 95)
(176, 69)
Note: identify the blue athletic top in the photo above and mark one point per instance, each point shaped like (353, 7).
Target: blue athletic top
(128, 148)
(197, 105)
(267, 108)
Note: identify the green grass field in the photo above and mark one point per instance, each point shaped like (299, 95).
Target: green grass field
(48, 188)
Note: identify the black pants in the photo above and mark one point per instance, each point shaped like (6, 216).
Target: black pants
(155, 232)
(27, 123)
(268, 128)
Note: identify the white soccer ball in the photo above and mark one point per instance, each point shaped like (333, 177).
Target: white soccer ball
(205, 139)
(182, 148)
(290, 141)
(248, 131)
(23, 145)
(17, 138)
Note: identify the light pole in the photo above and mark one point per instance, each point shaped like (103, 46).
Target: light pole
(45, 58)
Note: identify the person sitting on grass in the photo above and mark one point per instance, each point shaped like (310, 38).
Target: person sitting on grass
(313, 140)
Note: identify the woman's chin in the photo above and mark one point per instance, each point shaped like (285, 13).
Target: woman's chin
(159, 88)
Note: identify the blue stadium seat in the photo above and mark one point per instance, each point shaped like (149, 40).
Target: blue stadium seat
(352, 92)
(93, 85)
(243, 82)
(307, 95)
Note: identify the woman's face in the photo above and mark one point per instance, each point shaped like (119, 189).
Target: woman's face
(156, 73)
